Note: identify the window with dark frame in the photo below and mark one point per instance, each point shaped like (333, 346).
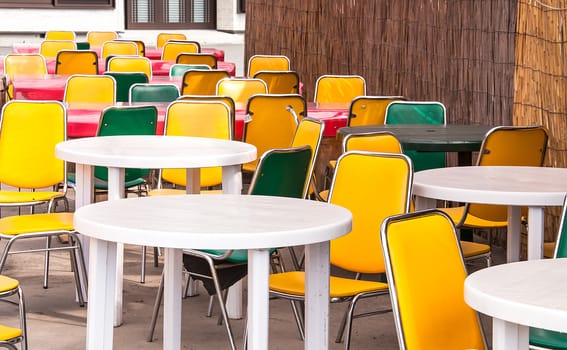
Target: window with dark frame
(241, 6)
(57, 4)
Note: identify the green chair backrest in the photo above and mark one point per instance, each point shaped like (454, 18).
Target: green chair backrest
(561, 249)
(140, 92)
(123, 82)
(179, 69)
(418, 112)
(83, 45)
(140, 120)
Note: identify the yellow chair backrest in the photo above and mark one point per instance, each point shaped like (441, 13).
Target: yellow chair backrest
(241, 89)
(197, 58)
(509, 145)
(339, 88)
(60, 35)
(119, 48)
(29, 131)
(258, 63)
(198, 119)
(50, 48)
(141, 45)
(280, 82)
(271, 122)
(372, 186)
(208, 98)
(130, 64)
(202, 82)
(370, 110)
(426, 275)
(382, 141)
(24, 64)
(90, 89)
(309, 132)
(76, 62)
(172, 49)
(162, 38)
(97, 38)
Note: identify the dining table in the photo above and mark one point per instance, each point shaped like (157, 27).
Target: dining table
(255, 223)
(518, 296)
(511, 186)
(149, 152)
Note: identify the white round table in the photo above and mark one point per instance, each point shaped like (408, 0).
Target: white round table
(120, 152)
(513, 186)
(519, 295)
(257, 223)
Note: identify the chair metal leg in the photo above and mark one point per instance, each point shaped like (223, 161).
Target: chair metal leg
(143, 273)
(77, 254)
(155, 312)
(46, 262)
(157, 253)
(211, 306)
(23, 323)
(223, 309)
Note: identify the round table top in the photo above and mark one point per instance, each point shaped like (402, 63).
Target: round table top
(213, 221)
(155, 151)
(503, 185)
(529, 293)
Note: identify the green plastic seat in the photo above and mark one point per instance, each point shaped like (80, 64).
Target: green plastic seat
(544, 338)
(140, 92)
(418, 112)
(179, 69)
(123, 82)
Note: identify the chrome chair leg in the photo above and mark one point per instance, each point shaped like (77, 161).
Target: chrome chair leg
(46, 262)
(143, 273)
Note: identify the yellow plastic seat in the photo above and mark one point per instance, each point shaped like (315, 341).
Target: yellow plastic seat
(23, 64)
(280, 82)
(339, 88)
(271, 122)
(162, 38)
(118, 48)
(10, 334)
(76, 62)
(141, 45)
(258, 63)
(202, 82)
(241, 89)
(224, 99)
(173, 48)
(369, 110)
(130, 64)
(33, 170)
(50, 48)
(372, 186)
(97, 38)
(88, 89)
(60, 35)
(426, 274)
(197, 58)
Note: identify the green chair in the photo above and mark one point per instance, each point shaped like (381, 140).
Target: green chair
(178, 69)
(542, 338)
(123, 82)
(418, 112)
(281, 172)
(140, 92)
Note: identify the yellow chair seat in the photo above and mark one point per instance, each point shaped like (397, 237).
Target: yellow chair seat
(174, 191)
(471, 249)
(293, 283)
(48, 222)
(324, 195)
(25, 197)
(7, 283)
(548, 249)
(456, 214)
(9, 333)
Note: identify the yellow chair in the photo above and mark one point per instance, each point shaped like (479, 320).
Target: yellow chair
(369, 110)
(372, 186)
(208, 98)
(172, 49)
(505, 145)
(280, 82)
(258, 63)
(9, 336)
(37, 174)
(141, 45)
(50, 48)
(85, 89)
(197, 119)
(241, 89)
(97, 38)
(202, 82)
(271, 122)
(23, 64)
(162, 38)
(197, 58)
(76, 62)
(60, 35)
(426, 275)
(130, 64)
(339, 88)
(118, 48)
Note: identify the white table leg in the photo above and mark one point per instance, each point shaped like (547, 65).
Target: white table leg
(509, 336)
(172, 270)
(258, 291)
(514, 236)
(116, 191)
(193, 186)
(84, 195)
(232, 184)
(317, 273)
(536, 222)
(422, 203)
(100, 310)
